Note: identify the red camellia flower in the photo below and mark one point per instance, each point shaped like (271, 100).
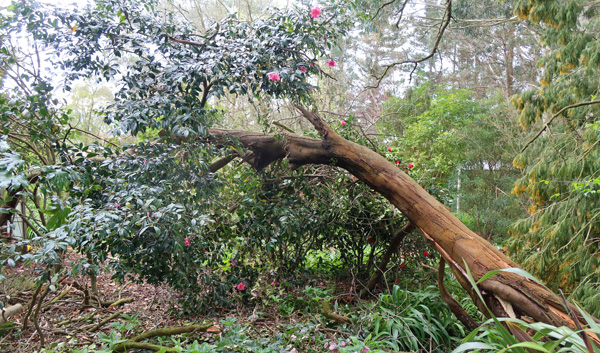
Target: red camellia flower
(371, 240)
(390, 149)
(410, 166)
(425, 253)
(273, 76)
(241, 286)
(186, 241)
(330, 63)
(403, 265)
(397, 162)
(303, 69)
(315, 12)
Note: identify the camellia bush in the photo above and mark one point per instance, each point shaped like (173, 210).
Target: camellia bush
(156, 210)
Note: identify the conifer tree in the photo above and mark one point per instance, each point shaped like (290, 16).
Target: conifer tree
(559, 239)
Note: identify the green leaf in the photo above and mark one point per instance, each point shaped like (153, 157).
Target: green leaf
(516, 270)
(470, 346)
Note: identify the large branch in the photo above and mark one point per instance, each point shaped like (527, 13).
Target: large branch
(506, 294)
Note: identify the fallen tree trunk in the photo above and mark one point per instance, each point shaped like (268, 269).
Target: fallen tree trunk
(505, 294)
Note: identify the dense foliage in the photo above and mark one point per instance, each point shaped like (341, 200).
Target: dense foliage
(559, 240)
(125, 172)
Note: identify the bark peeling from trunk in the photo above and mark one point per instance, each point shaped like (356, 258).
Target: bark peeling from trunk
(505, 294)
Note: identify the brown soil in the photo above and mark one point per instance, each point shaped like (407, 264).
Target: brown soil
(69, 320)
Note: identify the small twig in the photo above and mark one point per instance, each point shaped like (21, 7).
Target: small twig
(30, 308)
(400, 13)
(58, 297)
(547, 124)
(445, 22)
(585, 337)
(381, 8)
(35, 318)
(104, 322)
(277, 123)
(93, 135)
(116, 302)
(31, 226)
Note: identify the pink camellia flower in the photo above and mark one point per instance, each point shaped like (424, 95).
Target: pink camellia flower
(365, 349)
(342, 122)
(273, 76)
(303, 69)
(330, 63)
(315, 12)
(241, 286)
(342, 344)
(273, 283)
(293, 350)
(186, 241)
(332, 346)
(390, 149)
(410, 166)
(425, 253)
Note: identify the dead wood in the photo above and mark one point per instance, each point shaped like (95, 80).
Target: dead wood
(116, 302)
(458, 311)
(327, 312)
(459, 246)
(135, 341)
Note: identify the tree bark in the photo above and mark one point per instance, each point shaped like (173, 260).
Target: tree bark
(505, 294)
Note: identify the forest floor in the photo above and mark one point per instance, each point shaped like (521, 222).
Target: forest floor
(70, 322)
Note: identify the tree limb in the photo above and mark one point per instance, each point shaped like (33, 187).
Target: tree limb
(455, 306)
(132, 342)
(460, 246)
(445, 22)
(392, 248)
(547, 124)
